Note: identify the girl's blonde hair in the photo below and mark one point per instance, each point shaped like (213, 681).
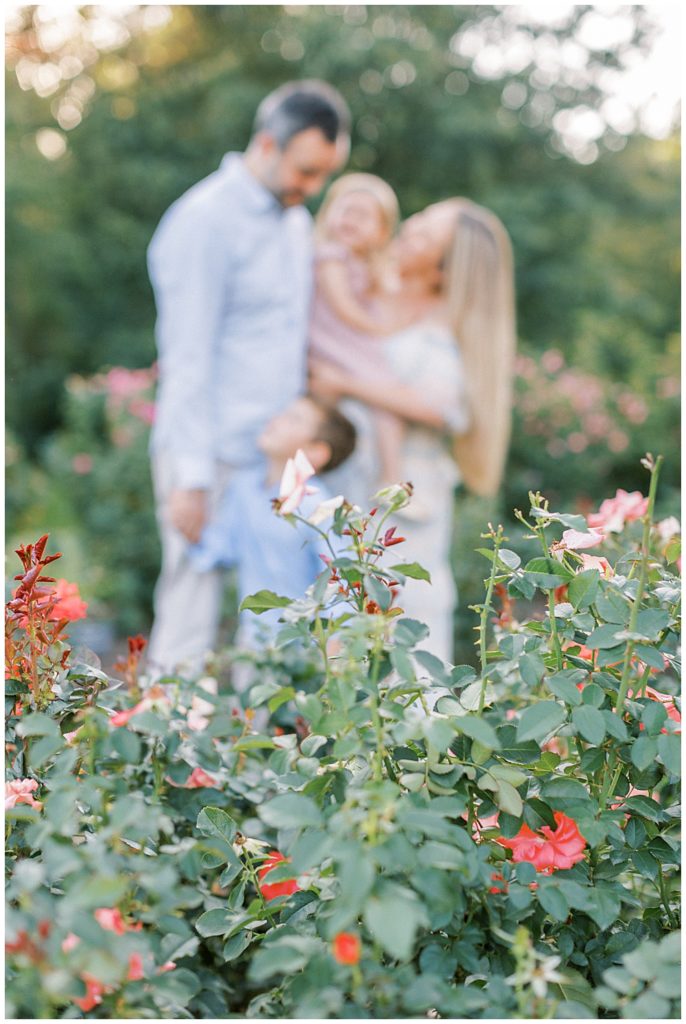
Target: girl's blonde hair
(479, 291)
(360, 182)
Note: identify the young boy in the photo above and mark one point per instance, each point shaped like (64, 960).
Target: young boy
(266, 549)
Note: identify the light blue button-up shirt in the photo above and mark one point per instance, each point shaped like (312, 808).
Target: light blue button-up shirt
(232, 274)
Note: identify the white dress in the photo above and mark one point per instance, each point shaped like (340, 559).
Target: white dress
(426, 358)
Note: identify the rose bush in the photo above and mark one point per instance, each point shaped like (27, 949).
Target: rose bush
(400, 837)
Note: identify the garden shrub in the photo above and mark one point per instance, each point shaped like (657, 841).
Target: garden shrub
(511, 853)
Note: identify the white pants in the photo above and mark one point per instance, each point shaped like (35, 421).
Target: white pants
(187, 602)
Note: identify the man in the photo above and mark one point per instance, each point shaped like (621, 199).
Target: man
(231, 268)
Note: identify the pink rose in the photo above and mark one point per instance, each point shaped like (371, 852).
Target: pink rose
(155, 699)
(135, 972)
(110, 919)
(614, 512)
(82, 463)
(601, 564)
(293, 486)
(19, 791)
(198, 779)
(575, 539)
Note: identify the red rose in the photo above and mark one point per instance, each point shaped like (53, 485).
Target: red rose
(285, 888)
(346, 948)
(549, 849)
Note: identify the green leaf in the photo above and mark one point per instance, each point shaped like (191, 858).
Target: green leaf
(285, 694)
(216, 822)
(412, 569)
(571, 520)
(236, 945)
(262, 601)
(217, 921)
(378, 591)
(439, 733)
(612, 607)
(532, 669)
(409, 632)
(98, 891)
(508, 799)
(669, 749)
(553, 901)
(564, 685)
(291, 810)
(547, 573)
(45, 748)
(604, 637)
(653, 716)
(539, 720)
(582, 590)
(126, 744)
(645, 864)
(477, 729)
(589, 722)
(650, 622)
(650, 655)
(177, 986)
(537, 813)
(645, 807)
(603, 906)
(564, 789)
(647, 1006)
(643, 752)
(402, 663)
(614, 725)
(282, 957)
(38, 724)
(508, 774)
(593, 695)
(393, 918)
(434, 666)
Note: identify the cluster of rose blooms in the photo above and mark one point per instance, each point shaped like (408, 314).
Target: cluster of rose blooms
(572, 409)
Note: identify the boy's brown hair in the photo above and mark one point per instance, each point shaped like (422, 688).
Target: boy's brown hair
(336, 430)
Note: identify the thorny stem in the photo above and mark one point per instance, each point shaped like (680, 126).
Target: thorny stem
(643, 575)
(497, 537)
(250, 864)
(636, 607)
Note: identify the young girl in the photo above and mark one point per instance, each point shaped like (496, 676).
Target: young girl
(353, 229)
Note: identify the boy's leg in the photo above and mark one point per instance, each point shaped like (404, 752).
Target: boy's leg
(187, 602)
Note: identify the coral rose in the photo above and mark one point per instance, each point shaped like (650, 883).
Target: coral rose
(19, 791)
(550, 849)
(285, 888)
(346, 948)
(69, 604)
(199, 778)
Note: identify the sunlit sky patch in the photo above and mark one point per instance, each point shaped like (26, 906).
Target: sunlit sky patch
(641, 94)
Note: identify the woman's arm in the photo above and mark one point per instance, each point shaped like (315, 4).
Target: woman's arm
(386, 393)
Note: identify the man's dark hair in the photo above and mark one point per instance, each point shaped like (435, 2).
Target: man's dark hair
(337, 431)
(296, 106)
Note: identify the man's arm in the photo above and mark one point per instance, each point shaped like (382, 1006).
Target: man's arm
(187, 260)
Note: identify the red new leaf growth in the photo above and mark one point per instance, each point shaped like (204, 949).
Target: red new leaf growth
(35, 621)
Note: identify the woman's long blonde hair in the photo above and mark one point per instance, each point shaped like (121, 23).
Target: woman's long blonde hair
(479, 291)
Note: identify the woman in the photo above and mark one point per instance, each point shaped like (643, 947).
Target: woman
(451, 381)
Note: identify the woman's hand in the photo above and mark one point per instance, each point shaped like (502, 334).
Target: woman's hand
(328, 381)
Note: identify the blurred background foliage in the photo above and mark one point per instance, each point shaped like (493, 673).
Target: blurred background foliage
(112, 114)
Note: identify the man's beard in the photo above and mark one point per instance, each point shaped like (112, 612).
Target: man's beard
(291, 198)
